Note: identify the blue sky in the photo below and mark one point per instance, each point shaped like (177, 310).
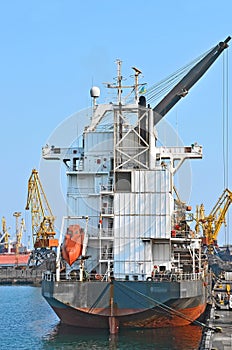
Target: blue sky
(52, 51)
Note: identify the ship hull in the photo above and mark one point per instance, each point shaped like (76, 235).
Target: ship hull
(126, 304)
(13, 259)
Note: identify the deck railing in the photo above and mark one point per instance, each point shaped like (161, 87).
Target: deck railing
(177, 277)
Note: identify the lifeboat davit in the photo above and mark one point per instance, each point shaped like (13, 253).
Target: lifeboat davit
(73, 244)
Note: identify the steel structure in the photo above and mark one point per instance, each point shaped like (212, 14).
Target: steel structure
(182, 88)
(4, 238)
(212, 223)
(41, 214)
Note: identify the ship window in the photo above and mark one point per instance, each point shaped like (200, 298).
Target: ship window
(123, 181)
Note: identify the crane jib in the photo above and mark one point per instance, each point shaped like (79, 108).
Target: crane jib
(181, 88)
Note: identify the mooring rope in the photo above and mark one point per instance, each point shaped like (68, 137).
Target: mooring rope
(165, 307)
(99, 298)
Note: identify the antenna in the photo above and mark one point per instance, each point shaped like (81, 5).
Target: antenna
(137, 72)
(119, 85)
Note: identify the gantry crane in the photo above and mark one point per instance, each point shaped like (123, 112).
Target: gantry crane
(212, 223)
(42, 218)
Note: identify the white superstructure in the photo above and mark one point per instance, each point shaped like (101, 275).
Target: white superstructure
(123, 182)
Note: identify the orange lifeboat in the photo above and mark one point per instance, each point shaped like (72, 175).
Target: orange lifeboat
(73, 244)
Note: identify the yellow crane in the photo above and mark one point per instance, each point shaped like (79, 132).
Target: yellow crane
(212, 223)
(4, 239)
(42, 219)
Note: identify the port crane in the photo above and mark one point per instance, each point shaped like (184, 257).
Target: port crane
(42, 219)
(212, 223)
(179, 91)
(20, 228)
(4, 238)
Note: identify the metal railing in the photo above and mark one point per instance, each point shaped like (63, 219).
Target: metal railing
(48, 276)
(172, 277)
(160, 277)
(107, 210)
(106, 233)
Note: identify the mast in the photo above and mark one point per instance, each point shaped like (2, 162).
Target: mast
(119, 85)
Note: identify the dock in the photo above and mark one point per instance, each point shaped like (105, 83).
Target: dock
(24, 276)
(218, 336)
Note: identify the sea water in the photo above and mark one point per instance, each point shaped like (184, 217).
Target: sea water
(27, 322)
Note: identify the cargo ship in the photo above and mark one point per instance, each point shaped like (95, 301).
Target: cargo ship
(14, 260)
(13, 253)
(128, 254)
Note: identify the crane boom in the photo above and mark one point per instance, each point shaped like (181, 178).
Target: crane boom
(220, 209)
(41, 215)
(181, 89)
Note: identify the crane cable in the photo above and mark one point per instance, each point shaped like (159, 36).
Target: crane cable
(157, 91)
(225, 130)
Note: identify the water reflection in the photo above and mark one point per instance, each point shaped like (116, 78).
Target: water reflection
(67, 337)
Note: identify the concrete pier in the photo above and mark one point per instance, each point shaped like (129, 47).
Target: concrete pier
(219, 336)
(20, 276)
